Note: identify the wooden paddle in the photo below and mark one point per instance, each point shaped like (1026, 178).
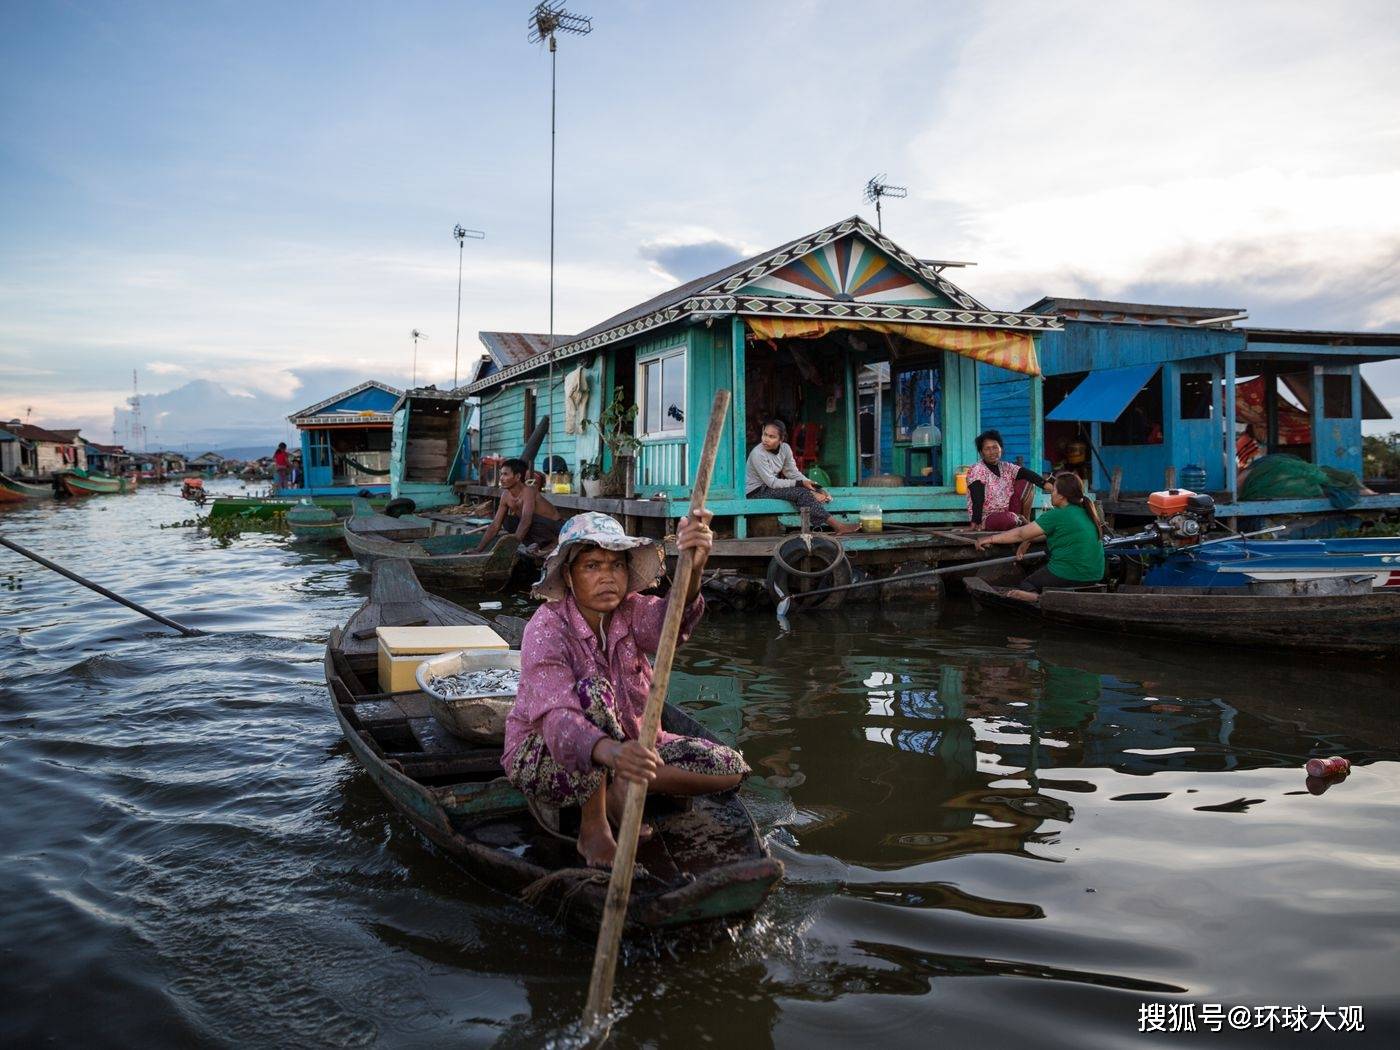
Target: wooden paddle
(188, 632)
(600, 987)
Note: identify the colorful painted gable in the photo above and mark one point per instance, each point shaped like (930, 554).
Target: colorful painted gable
(847, 270)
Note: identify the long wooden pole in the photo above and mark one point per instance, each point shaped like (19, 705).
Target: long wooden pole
(600, 988)
(189, 632)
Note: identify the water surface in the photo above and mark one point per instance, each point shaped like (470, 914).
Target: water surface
(992, 834)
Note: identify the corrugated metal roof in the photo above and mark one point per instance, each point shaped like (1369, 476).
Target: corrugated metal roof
(509, 348)
(29, 432)
(1058, 304)
(1332, 338)
(685, 291)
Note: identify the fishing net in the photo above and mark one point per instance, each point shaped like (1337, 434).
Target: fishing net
(1283, 476)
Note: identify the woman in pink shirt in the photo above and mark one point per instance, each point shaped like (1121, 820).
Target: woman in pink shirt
(571, 738)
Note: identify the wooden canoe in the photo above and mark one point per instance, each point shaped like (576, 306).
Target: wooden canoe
(94, 484)
(1347, 620)
(454, 561)
(314, 524)
(25, 490)
(705, 862)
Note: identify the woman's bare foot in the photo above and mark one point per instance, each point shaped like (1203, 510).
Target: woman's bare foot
(617, 802)
(843, 528)
(596, 844)
(1025, 596)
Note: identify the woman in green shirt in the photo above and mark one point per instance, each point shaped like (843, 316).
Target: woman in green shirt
(1073, 537)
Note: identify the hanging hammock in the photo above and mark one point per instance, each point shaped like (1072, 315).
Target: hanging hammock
(366, 470)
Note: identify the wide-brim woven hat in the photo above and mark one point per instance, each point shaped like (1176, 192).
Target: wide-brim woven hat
(645, 560)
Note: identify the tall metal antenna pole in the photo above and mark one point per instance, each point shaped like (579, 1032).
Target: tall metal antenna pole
(461, 233)
(877, 189)
(547, 19)
(417, 335)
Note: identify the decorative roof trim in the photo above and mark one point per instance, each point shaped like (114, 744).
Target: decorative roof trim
(719, 298)
(314, 409)
(825, 309)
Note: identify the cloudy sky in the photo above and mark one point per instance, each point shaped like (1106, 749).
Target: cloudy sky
(261, 195)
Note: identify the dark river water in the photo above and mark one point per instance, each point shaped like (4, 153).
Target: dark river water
(993, 836)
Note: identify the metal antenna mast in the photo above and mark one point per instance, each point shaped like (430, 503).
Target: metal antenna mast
(417, 335)
(876, 189)
(136, 428)
(547, 19)
(461, 233)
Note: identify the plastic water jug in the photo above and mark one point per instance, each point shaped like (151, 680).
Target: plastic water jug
(872, 518)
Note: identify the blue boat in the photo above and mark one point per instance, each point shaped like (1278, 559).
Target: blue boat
(1240, 563)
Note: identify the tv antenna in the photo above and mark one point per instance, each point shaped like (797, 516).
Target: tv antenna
(548, 19)
(461, 233)
(876, 190)
(417, 335)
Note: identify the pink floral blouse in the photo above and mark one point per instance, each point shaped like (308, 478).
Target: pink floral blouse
(560, 650)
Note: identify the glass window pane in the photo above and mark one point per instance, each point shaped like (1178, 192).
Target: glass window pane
(673, 393)
(651, 384)
(1336, 397)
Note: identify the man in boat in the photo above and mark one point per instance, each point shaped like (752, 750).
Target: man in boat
(571, 738)
(1073, 535)
(523, 510)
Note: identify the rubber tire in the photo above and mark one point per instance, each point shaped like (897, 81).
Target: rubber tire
(397, 508)
(834, 570)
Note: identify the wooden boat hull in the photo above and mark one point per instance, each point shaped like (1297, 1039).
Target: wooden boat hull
(10, 496)
(487, 571)
(1366, 623)
(26, 490)
(705, 862)
(94, 485)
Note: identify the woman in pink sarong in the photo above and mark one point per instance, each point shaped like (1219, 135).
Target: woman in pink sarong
(571, 737)
(995, 489)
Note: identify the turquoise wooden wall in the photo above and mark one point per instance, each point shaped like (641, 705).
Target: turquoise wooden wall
(503, 416)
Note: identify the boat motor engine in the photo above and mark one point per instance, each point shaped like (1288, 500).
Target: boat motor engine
(1182, 516)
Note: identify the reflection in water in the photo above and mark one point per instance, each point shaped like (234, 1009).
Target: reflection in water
(1068, 825)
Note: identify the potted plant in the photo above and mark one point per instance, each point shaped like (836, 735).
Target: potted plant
(591, 474)
(614, 425)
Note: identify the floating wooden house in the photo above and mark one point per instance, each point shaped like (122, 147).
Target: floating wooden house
(41, 453)
(867, 348)
(431, 446)
(346, 441)
(1158, 392)
(107, 459)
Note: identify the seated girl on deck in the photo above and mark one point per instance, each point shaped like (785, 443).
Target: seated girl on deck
(571, 738)
(773, 474)
(995, 489)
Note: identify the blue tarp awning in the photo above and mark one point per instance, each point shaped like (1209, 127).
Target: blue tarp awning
(1103, 395)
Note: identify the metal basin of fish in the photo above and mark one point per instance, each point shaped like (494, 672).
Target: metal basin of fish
(470, 693)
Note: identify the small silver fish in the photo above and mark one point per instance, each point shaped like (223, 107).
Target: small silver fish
(478, 683)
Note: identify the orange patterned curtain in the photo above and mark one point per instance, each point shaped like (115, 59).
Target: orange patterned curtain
(1014, 351)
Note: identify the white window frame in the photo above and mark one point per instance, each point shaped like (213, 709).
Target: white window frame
(678, 431)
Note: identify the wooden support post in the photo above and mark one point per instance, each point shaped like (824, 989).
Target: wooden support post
(1232, 474)
(1116, 485)
(1171, 477)
(806, 521)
